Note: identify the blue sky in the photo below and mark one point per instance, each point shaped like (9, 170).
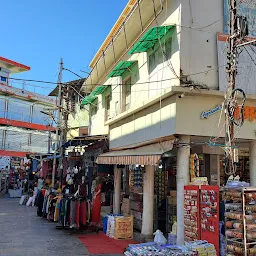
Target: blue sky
(39, 33)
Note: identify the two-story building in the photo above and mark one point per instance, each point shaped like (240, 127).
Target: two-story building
(160, 75)
(24, 128)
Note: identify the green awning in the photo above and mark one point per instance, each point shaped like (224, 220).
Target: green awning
(93, 95)
(99, 90)
(88, 100)
(120, 68)
(150, 38)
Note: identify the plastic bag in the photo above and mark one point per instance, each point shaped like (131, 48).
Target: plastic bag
(159, 238)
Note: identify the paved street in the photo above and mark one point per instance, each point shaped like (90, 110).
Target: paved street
(22, 233)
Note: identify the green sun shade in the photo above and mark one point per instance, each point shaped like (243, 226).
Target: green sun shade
(99, 90)
(149, 39)
(120, 68)
(93, 95)
(88, 100)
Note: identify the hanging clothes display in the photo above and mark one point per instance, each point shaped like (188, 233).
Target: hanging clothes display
(96, 204)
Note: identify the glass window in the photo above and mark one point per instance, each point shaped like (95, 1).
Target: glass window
(168, 49)
(2, 107)
(94, 107)
(126, 94)
(107, 107)
(157, 57)
(18, 110)
(151, 62)
(40, 118)
(3, 79)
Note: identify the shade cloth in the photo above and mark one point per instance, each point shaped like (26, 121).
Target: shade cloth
(146, 155)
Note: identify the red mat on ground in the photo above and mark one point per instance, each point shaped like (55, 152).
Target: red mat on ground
(101, 244)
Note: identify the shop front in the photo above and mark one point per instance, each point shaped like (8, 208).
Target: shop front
(144, 175)
(196, 125)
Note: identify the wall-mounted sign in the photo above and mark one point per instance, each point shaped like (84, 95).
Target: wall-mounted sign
(210, 112)
(249, 113)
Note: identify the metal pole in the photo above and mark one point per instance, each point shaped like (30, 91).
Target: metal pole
(232, 77)
(58, 122)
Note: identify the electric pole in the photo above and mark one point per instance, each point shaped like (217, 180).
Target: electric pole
(58, 127)
(231, 70)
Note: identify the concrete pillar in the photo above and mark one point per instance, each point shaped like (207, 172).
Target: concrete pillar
(148, 201)
(117, 190)
(252, 161)
(182, 179)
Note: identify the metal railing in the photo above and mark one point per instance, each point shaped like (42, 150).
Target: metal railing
(17, 116)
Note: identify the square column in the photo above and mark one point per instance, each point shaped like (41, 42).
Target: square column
(148, 201)
(182, 179)
(117, 190)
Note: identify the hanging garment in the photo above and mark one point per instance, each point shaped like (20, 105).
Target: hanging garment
(77, 214)
(82, 217)
(96, 205)
(68, 213)
(72, 214)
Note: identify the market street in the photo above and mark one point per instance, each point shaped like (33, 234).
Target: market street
(22, 233)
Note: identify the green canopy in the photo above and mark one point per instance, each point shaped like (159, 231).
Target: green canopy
(120, 68)
(150, 38)
(93, 95)
(99, 90)
(88, 100)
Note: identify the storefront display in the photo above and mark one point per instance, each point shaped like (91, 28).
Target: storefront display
(240, 220)
(209, 208)
(161, 185)
(171, 210)
(136, 206)
(201, 214)
(191, 213)
(197, 248)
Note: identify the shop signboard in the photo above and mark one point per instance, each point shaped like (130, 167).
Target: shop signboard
(210, 112)
(246, 70)
(249, 112)
(245, 8)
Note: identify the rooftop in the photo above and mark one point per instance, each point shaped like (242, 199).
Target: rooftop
(14, 66)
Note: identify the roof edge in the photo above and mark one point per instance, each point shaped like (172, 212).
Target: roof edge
(125, 13)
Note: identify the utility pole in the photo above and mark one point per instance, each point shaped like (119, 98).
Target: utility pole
(231, 70)
(58, 128)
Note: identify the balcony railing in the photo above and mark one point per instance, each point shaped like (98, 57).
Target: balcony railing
(17, 116)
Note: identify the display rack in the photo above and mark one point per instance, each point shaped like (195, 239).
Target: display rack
(191, 213)
(240, 221)
(209, 209)
(136, 205)
(171, 210)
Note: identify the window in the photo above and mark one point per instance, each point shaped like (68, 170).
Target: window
(152, 62)
(126, 94)
(94, 107)
(156, 57)
(107, 107)
(3, 79)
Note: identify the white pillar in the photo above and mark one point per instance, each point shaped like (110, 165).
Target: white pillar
(117, 190)
(182, 179)
(252, 161)
(148, 201)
